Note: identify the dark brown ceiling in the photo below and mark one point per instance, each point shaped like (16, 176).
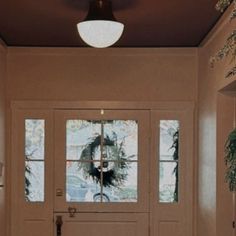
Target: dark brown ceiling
(148, 23)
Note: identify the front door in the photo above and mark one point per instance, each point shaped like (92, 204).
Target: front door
(102, 172)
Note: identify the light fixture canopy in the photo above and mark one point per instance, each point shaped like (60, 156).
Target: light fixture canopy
(100, 29)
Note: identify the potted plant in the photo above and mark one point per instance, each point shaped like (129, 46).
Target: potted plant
(230, 160)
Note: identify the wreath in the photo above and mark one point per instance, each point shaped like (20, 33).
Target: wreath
(114, 169)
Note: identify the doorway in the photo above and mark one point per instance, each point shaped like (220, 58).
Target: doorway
(102, 171)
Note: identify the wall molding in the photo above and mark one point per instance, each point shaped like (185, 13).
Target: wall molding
(74, 105)
(104, 52)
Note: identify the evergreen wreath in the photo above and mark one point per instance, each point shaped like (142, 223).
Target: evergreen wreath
(114, 171)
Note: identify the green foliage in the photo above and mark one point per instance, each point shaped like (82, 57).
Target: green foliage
(223, 4)
(233, 14)
(231, 72)
(229, 47)
(27, 183)
(175, 146)
(230, 160)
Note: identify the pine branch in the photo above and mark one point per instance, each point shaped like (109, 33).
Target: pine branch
(222, 5)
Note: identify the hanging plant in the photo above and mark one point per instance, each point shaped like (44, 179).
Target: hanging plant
(230, 160)
(231, 72)
(229, 47)
(115, 171)
(221, 5)
(233, 14)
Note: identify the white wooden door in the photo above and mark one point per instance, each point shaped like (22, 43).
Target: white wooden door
(101, 172)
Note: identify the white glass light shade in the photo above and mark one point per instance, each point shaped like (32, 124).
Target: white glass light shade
(100, 33)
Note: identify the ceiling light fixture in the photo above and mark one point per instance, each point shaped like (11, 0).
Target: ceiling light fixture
(100, 29)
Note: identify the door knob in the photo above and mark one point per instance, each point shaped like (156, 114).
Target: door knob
(72, 211)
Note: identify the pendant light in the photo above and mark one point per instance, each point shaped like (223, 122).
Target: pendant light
(100, 29)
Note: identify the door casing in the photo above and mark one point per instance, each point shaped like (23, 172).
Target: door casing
(49, 108)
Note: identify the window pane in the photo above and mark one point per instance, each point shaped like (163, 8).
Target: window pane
(34, 156)
(124, 188)
(168, 161)
(83, 182)
(34, 181)
(168, 133)
(34, 139)
(79, 134)
(80, 186)
(105, 154)
(122, 138)
(168, 183)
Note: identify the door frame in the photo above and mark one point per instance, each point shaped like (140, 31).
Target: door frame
(16, 106)
(180, 105)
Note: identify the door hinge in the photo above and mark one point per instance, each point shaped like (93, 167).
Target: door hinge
(233, 224)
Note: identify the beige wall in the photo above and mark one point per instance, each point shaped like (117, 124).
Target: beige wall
(107, 75)
(110, 74)
(215, 121)
(2, 130)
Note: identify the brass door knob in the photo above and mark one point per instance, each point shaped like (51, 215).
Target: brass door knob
(72, 211)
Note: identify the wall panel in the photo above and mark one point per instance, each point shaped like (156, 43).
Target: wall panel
(109, 74)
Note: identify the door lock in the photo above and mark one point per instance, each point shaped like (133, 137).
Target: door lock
(59, 192)
(72, 211)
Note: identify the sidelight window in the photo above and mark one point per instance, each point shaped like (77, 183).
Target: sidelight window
(169, 161)
(34, 160)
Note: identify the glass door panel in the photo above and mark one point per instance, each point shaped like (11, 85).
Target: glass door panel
(169, 145)
(103, 158)
(34, 160)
